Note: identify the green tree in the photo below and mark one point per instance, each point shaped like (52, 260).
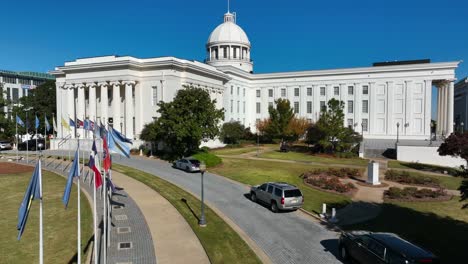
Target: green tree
(456, 145)
(232, 132)
(280, 117)
(329, 133)
(5, 123)
(183, 123)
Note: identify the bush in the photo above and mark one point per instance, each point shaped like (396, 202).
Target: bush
(413, 193)
(330, 183)
(209, 159)
(346, 155)
(340, 173)
(407, 178)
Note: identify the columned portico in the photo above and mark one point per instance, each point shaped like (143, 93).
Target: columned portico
(445, 107)
(92, 101)
(104, 103)
(116, 105)
(129, 110)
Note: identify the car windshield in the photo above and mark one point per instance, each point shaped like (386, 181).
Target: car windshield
(194, 161)
(292, 193)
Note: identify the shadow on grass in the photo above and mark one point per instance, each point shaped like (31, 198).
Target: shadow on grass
(190, 208)
(444, 236)
(74, 258)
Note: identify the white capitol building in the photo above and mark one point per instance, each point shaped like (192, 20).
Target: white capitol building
(376, 98)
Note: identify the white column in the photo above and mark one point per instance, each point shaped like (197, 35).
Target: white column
(80, 108)
(450, 100)
(71, 107)
(129, 109)
(138, 109)
(443, 121)
(59, 111)
(104, 103)
(439, 108)
(116, 105)
(92, 101)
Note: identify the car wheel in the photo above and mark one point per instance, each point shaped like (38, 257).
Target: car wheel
(274, 207)
(253, 197)
(343, 253)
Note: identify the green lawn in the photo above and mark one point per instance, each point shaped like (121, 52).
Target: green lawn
(441, 227)
(395, 164)
(448, 182)
(234, 151)
(221, 243)
(256, 172)
(298, 156)
(59, 224)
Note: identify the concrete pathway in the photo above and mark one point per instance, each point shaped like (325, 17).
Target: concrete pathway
(174, 240)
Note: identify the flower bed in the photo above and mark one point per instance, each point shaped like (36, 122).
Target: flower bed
(415, 194)
(329, 183)
(340, 173)
(405, 177)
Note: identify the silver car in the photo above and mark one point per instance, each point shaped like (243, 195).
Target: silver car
(4, 145)
(278, 195)
(189, 165)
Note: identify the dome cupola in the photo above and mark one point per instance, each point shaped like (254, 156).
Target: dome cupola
(229, 45)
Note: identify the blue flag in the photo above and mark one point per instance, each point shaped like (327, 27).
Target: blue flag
(103, 131)
(32, 192)
(47, 123)
(121, 137)
(71, 123)
(116, 145)
(74, 172)
(37, 122)
(97, 129)
(19, 121)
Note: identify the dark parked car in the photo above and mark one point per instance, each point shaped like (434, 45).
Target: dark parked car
(31, 144)
(378, 248)
(284, 146)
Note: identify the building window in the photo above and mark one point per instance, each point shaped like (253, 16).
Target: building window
(24, 81)
(296, 91)
(243, 107)
(336, 90)
(238, 90)
(258, 108)
(225, 52)
(365, 106)
(322, 91)
(232, 106)
(238, 106)
(7, 79)
(309, 91)
(8, 94)
(234, 52)
(270, 92)
(309, 107)
(350, 90)
(296, 107)
(283, 92)
(232, 89)
(364, 125)
(365, 89)
(154, 102)
(258, 93)
(309, 120)
(257, 121)
(322, 106)
(350, 107)
(15, 95)
(350, 122)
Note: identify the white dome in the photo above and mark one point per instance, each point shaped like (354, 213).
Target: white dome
(228, 32)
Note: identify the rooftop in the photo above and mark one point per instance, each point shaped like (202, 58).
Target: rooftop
(32, 75)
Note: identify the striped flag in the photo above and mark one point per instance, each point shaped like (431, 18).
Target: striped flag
(94, 165)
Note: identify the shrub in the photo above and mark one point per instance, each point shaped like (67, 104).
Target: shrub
(340, 173)
(346, 155)
(330, 183)
(406, 177)
(209, 159)
(413, 193)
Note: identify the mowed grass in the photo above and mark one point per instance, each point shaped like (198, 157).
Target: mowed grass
(60, 224)
(255, 172)
(440, 227)
(234, 151)
(306, 157)
(221, 243)
(395, 164)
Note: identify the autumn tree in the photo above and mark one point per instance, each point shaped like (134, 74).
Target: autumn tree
(456, 145)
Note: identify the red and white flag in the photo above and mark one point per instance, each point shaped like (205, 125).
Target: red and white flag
(94, 165)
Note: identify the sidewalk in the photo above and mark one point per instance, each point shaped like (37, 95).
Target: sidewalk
(174, 240)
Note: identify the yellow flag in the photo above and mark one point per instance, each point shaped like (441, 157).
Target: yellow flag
(65, 124)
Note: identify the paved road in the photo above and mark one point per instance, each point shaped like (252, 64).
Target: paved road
(285, 237)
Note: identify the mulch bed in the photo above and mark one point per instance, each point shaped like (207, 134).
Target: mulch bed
(12, 168)
(438, 199)
(350, 193)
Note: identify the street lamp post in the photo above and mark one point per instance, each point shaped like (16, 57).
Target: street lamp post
(462, 126)
(397, 132)
(202, 221)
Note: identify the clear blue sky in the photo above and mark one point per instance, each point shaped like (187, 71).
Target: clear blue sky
(285, 35)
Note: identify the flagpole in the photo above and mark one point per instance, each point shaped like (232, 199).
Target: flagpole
(45, 131)
(35, 126)
(17, 154)
(95, 222)
(27, 140)
(79, 205)
(104, 215)
(41, 233)
(109, 195)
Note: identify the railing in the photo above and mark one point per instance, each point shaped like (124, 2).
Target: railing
(227, 59)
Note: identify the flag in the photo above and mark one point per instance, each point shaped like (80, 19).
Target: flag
(74, 172)
(47, 125)
(33, 192)
(91, 125)
(117, 145)
(36, 125)
(103, 131)
(54, 125)
(94, 165)
(119, 136)
(106, 155)
(86, 124)
(97, 130)
(72, 123)
(111, 185)
(79, 123)
(65, 124)
(19, 121)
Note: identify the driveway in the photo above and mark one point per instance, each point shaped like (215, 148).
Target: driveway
(284, 237)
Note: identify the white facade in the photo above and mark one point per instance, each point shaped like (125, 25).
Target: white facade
(376, 98)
